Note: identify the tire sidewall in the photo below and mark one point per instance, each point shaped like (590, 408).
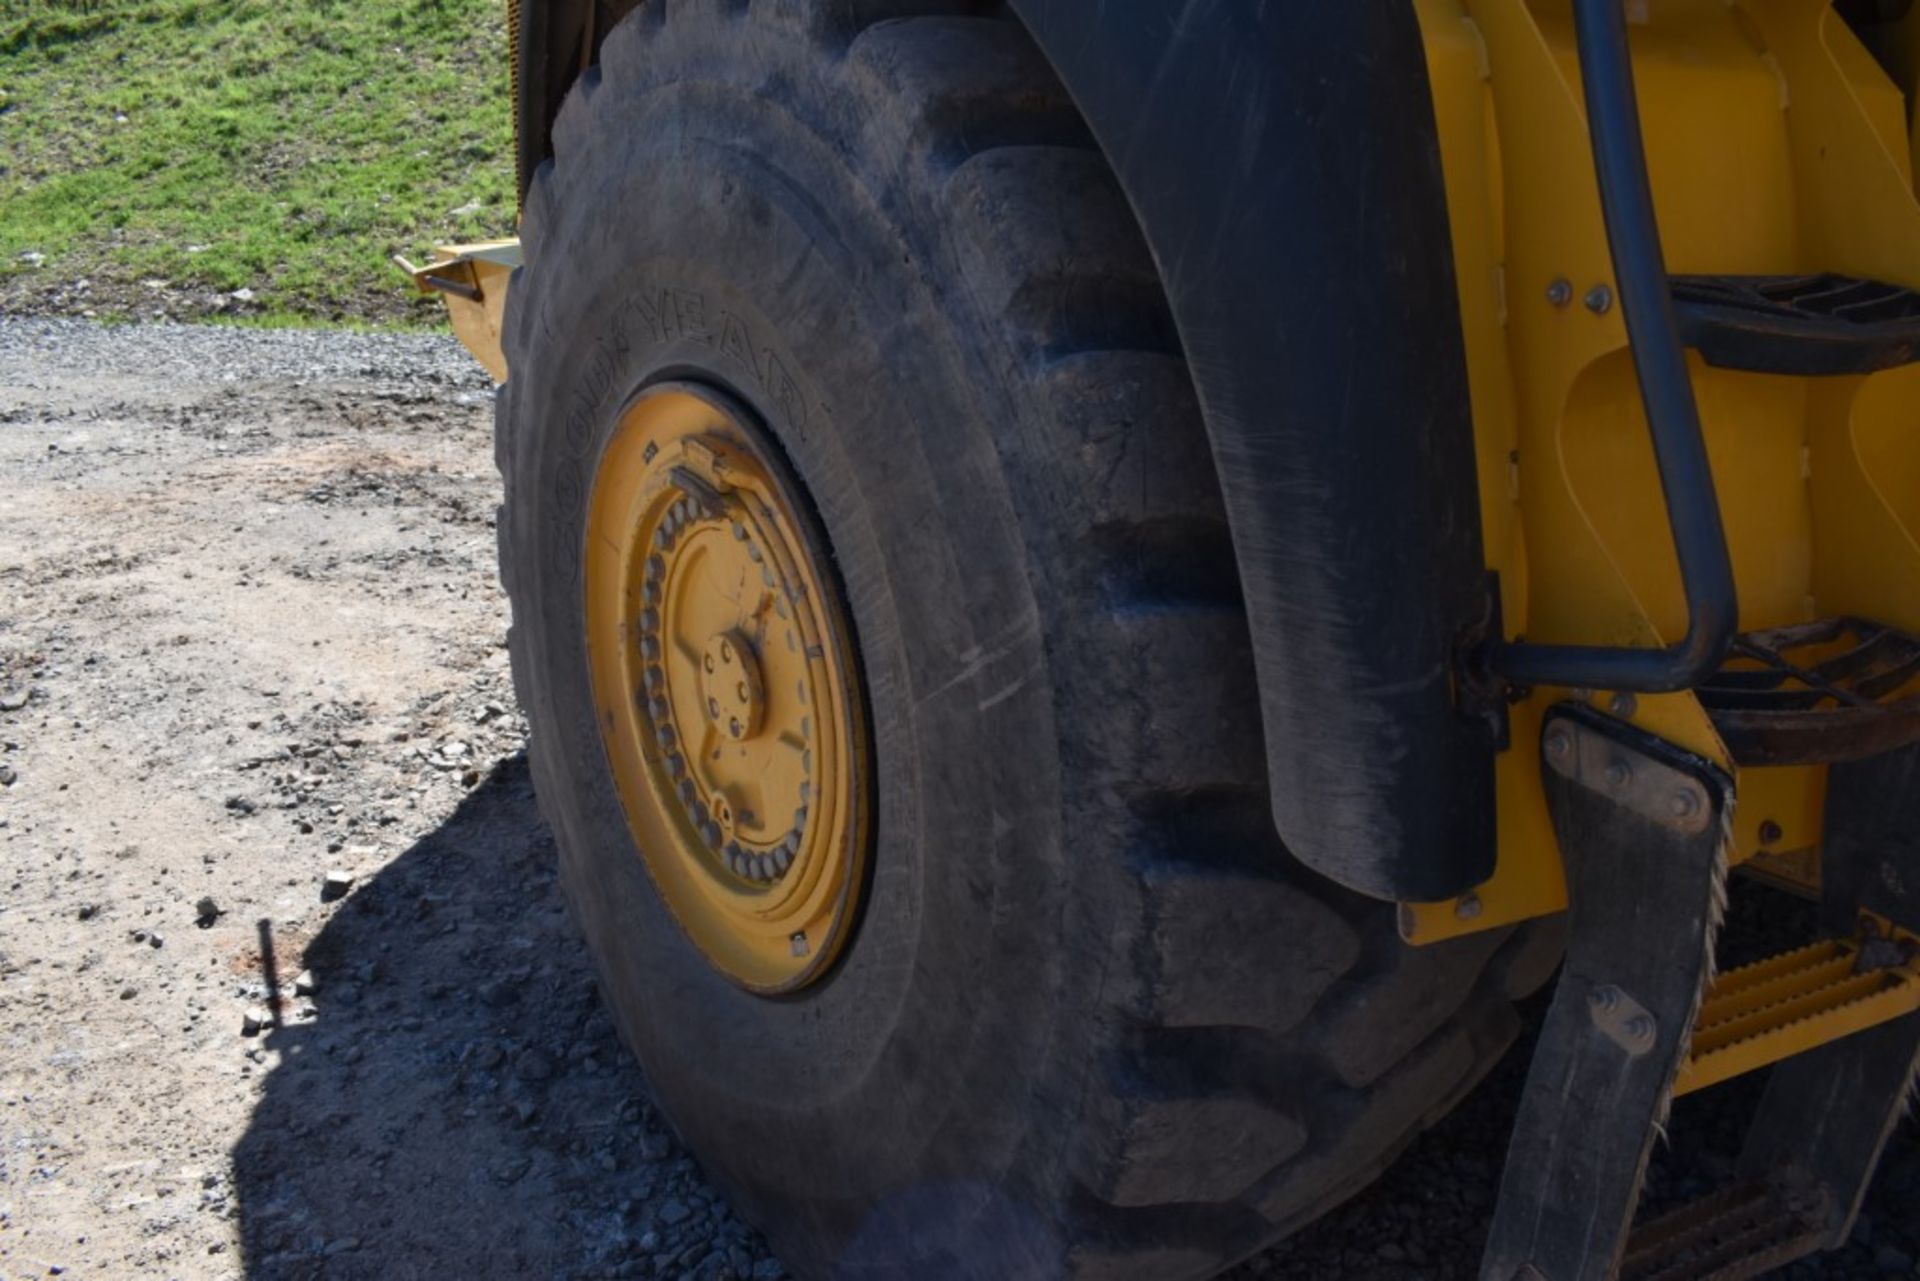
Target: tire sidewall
(923, 1051)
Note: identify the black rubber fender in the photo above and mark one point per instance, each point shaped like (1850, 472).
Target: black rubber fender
(1283, 162)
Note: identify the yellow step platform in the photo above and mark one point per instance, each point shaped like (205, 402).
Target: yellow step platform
(1774, 1009)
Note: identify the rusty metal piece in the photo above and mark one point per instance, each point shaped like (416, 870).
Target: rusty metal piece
(1736, 1233)
(1840, 689)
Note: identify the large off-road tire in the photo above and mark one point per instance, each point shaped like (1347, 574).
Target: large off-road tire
(1093, 1020)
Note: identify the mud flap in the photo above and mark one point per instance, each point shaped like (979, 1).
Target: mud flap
(1642, 831)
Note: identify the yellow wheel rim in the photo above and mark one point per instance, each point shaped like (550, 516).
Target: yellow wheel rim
(726, 689)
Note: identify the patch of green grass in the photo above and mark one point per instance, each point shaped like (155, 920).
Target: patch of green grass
(214, 145)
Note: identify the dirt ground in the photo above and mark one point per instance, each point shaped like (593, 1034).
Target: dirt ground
(286, 988)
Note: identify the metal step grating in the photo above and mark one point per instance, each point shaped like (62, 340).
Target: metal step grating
(1799, 325)
(1730, 1235)
(1834, 690)
(1776, 1008)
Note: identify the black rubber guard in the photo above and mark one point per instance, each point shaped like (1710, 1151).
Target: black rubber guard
(1283, 161)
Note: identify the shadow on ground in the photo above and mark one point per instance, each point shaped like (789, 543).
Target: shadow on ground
(452, 1100)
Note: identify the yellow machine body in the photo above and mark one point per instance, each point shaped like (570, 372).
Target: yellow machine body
(1776, 144)
(473, 279)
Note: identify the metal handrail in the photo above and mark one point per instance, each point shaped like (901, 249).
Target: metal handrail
(1660, 363)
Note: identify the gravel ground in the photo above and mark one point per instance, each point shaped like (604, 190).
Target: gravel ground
(286, 989)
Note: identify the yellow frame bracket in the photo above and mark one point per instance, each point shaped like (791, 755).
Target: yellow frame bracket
(473, 280)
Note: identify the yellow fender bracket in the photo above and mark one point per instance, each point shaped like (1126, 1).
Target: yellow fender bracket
(473, 280)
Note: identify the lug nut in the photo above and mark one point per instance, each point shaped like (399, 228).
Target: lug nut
(1560, 292)
(1599, 300)
(1559, 745)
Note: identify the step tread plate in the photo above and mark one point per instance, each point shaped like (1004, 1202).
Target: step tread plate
(1773, 1009)
(1731, 1235)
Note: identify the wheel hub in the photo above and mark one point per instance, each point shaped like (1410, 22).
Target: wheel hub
(730, 677)
(724, 676)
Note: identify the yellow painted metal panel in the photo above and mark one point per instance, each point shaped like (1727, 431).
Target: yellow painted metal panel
(473, 281)
(1780, 808)
(1852, 193)
(1776, 145)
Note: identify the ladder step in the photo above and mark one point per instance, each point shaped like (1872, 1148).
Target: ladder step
(1836, 689)
(1802, 325)
(1774, 1009)
(1730, 1235)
